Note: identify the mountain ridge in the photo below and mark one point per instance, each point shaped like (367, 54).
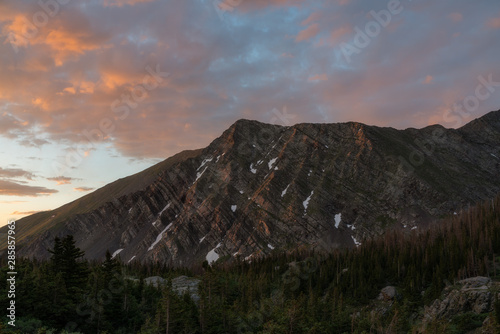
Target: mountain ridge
(258, 187)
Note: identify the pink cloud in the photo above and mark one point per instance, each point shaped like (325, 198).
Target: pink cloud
(428, 79)
(121, 3)
(337, 34)
(494, 23)
(456, 17)
(312, 18)
(308, 33)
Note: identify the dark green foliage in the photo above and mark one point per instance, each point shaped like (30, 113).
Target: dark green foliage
(467, 322)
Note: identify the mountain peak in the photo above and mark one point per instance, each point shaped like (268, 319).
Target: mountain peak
(261, 186)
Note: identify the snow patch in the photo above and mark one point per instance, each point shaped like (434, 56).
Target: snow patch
(201, 240)
(133, 257)
(165, 208)
(236, 253)
(352, 227)
(310, 171)
(356, 242)
(233, 208)
(306, 202)
(204, 163)
(271, 163)
(283, 193)
(198, 175)
(259, 162)
(212, 256)
(158, 238)
(242, 192)
(217, 159)
(494, 156)
(116, 253)
(338, 218)
(253, 170)
(270, 246)
(414, 228)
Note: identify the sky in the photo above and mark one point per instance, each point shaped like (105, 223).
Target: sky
(91, 91)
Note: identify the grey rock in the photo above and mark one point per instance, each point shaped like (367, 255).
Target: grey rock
(388, 293)
(469, 295)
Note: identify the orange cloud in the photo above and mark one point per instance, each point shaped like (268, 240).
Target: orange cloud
(41, 103)
(428, 79)
(66, 44)
(61, 180)
(318, 77)
(308, 33)
(70, 90)
(18, 31)
(83, 189)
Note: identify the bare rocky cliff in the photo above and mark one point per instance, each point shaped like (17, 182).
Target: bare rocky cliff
(260, 187)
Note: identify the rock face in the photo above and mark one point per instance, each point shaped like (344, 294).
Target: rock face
(474, 294)
(259, 187)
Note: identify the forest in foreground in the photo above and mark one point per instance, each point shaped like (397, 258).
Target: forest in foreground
(287, 292)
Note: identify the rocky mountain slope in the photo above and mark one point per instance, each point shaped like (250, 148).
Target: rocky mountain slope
(260, 187)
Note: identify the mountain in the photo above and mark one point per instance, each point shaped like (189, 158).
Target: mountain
(260, 187)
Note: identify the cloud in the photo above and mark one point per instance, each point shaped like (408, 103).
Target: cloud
(67, 79)
(12, 202)
(318, 77)
(456, 17)
(494, 23)
(25, 213)
(33, 142)
(83, 189)
(312, 18)
(9, 188)
(308, 33)
(15, 172)
(428, 79)
(62, 179)
(121, 3)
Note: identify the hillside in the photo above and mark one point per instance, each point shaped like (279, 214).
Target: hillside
(260, 187)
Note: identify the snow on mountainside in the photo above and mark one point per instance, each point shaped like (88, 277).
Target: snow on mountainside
(260, 187)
